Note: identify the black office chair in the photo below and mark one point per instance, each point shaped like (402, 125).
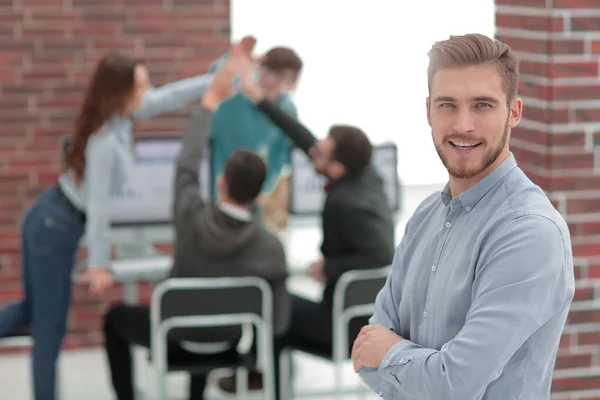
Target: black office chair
(353, 303)
(180, 303)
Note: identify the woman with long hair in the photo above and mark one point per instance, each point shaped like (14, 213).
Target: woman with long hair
(99, 161)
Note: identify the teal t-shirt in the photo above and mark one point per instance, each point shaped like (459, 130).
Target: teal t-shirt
(239, 124)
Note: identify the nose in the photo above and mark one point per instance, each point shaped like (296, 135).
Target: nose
(464, 122)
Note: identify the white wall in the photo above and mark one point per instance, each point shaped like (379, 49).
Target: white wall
(365, 63)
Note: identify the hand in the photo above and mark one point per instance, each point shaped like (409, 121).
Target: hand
(247, 44)
(317, 271)
(99, 280)
(371, 345)
(245, 69)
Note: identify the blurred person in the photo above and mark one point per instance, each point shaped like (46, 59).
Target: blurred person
(98, 163)
(483, 278)
(222, 240)
(357, 222)
(238, 124)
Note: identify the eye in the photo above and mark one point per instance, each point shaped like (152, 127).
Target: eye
(484, 105)
(446, 105)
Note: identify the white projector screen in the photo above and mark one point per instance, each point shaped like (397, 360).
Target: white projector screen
(148, 197)
(307, 194)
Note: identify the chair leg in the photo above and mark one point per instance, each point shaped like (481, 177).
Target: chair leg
(269, 386)
(58, 386)
(286, 385)
(241, 378)
(338, 383)
(161, 384)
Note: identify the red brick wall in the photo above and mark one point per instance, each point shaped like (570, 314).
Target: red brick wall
(558, 145)
(47, 50)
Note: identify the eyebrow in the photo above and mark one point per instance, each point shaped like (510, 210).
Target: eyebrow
(486, 99)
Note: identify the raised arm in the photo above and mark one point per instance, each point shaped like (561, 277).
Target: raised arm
(172, 96)
(297, 132)
(522, 284)
(186, 196)
(186, 185)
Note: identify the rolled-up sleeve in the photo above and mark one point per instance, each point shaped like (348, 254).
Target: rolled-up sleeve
(521, 283)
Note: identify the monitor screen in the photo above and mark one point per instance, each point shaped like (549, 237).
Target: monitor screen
(147, 198)
(307, 194)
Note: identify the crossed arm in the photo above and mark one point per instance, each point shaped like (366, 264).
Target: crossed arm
(522, 284)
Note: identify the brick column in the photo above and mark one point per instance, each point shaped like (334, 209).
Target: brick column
(558, 146)
(47, 51)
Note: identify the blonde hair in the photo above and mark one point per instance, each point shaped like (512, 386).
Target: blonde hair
(475, 49)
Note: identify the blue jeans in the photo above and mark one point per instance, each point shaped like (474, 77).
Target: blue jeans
(50, 235)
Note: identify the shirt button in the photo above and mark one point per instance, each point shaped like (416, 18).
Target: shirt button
(380, 394)
(424, 314)
(468, 209)
(448, 224)
(433, 268)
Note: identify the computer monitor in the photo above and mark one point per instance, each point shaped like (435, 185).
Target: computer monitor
(148, 196)
(306, 186)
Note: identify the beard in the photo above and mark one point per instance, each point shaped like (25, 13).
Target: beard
(461, 168)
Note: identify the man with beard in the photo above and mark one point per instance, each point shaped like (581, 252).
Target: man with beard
(483, 278)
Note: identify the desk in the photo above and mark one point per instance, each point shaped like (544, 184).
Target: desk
(151, 269)
(130, 272)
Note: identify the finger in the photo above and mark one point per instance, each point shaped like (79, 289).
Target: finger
(247, 44)
(366, 329)
(356, 365)
(357, 361)
(358, 343)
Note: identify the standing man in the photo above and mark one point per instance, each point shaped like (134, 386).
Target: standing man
(238, 124)
(483, 278)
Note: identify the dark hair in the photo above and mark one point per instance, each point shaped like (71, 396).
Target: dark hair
(476, 49)
(352, 148)
(107, 93)
(244, 174)
(279, 59)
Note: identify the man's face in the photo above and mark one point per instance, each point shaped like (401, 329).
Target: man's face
(322, 155)
(470, 119)
(270, 80)
(277, 81)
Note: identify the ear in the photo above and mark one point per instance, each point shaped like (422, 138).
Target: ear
(220, 183)
(427, 104)
(336, 169)
(515, 112)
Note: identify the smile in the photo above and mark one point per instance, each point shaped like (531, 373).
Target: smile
(464, 145)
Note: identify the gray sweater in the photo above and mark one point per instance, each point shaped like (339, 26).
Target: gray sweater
(211, 243)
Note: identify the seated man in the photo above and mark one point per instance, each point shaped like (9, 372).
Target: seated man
(358, 226)
(238, 124)
(211, 241)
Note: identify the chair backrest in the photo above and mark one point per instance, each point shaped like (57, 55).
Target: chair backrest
(358, 288)
(354, 299)
(182, 297)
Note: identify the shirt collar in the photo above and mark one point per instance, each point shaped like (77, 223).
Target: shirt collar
(236, 212)
(471, 196)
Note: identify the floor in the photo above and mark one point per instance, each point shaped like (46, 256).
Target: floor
(84, 377)
(84, 372)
